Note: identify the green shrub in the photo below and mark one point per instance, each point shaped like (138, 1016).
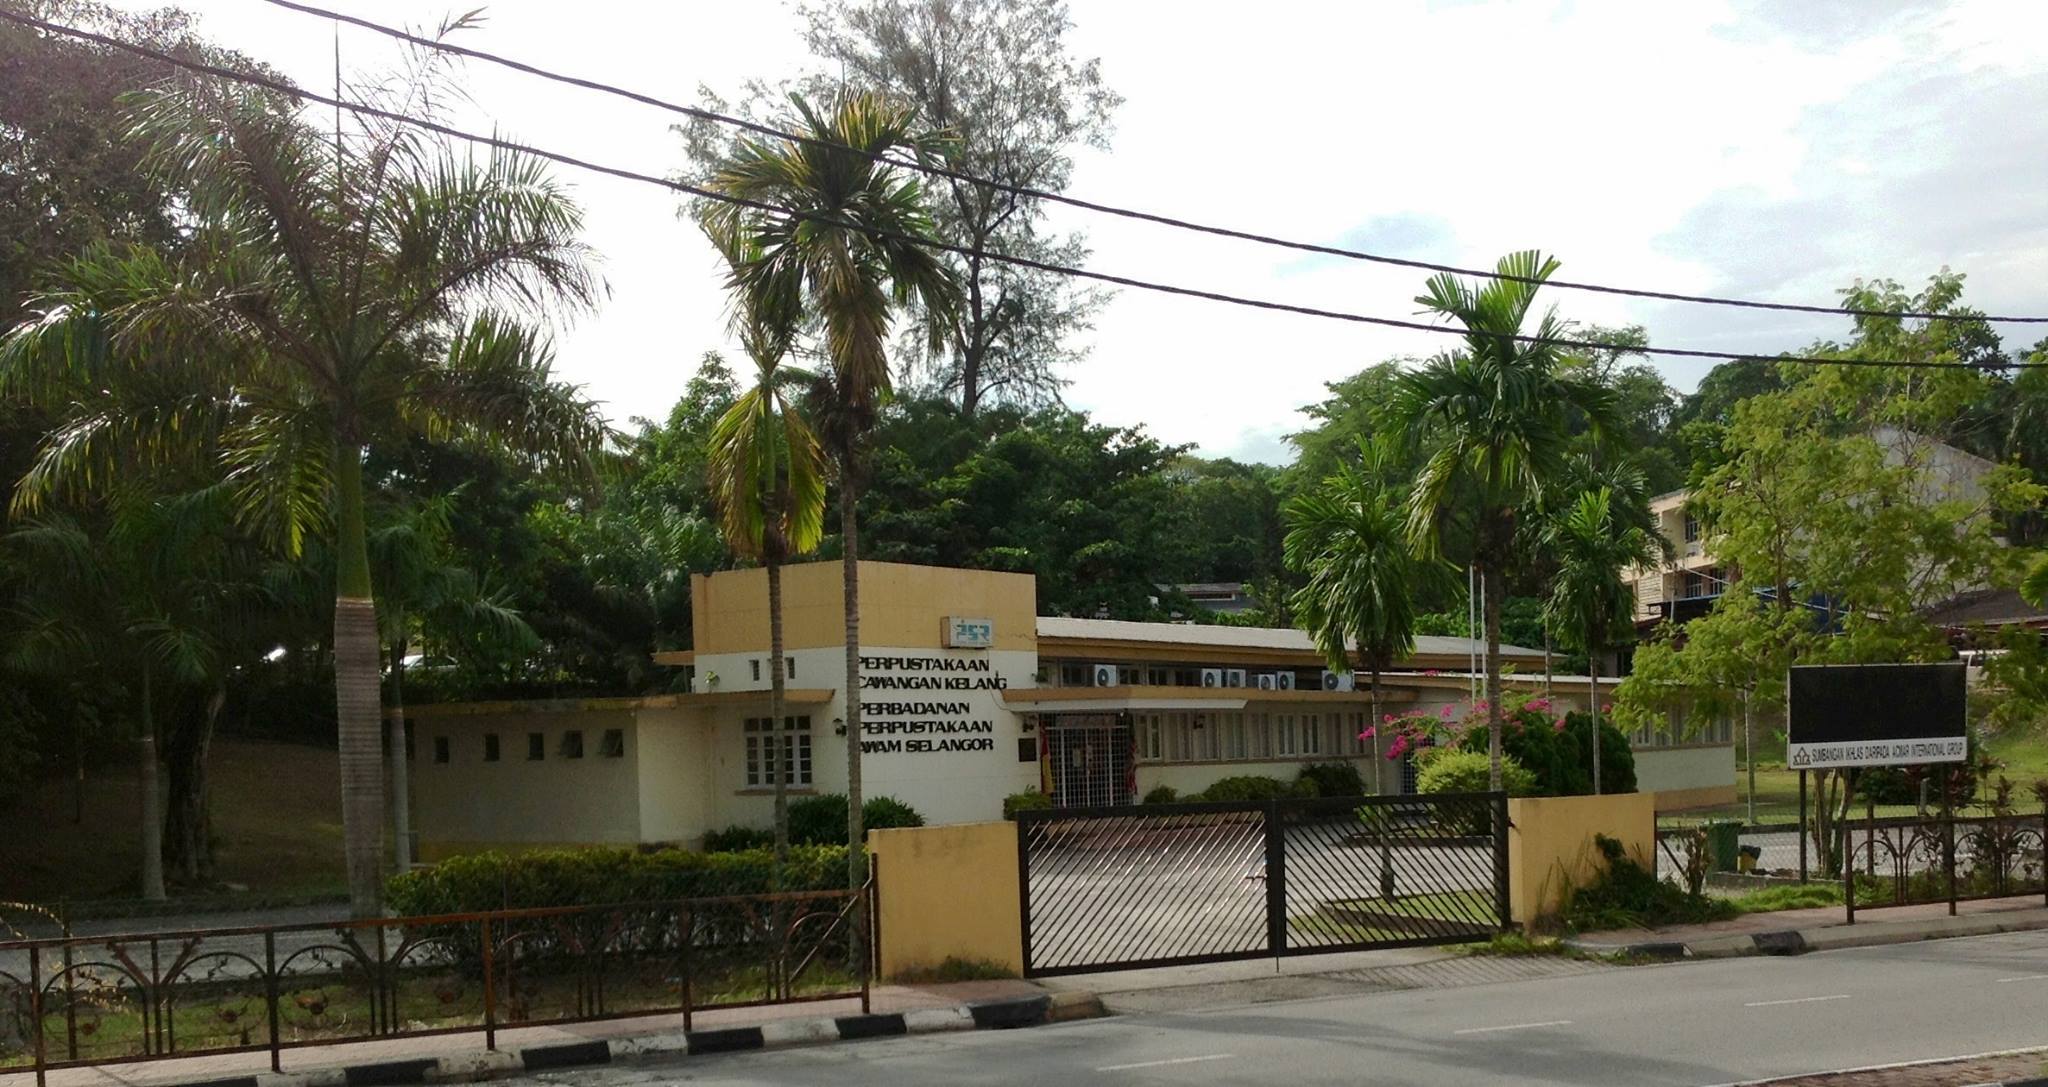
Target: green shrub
(1901, 784)
(738, 839)
(583, 877)
(1247, 788)
(821, 820)
(1162, 794)
(1028, 800)
(1562, 759)
(1460, 771)
(1334, 778)
(1627, 895)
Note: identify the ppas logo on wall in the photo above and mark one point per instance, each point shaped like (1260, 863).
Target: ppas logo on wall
(964, 632)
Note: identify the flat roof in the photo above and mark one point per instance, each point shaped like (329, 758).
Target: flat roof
(1217, 636)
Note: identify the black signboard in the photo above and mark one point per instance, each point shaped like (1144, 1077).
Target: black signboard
(1875, 715)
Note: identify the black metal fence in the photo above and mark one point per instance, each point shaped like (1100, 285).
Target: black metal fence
(1944, 858)
(1128, 887)
(159, 995)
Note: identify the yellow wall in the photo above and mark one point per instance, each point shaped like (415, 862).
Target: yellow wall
(900, 605)
(1550, 845)
(947, 892)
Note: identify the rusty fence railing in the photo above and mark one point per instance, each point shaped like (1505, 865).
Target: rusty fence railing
(143, 996)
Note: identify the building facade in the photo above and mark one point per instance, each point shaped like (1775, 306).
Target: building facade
(967, 695)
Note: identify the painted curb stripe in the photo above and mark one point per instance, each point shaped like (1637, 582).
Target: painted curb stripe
(565, 1055)
(854, 1027)
(390, 1073)
(729, 1040)
(1027, 1011)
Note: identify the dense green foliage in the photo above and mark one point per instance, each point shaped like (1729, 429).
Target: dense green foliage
(1028, 800)
(1560, 760)
(1334, 778)
(574, 877)
(1246, 788)
(1460, 771)
(821, 820)
(1627, 895)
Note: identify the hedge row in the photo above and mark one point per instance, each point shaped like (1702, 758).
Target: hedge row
(594, 876)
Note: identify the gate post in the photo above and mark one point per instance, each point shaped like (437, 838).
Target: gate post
(1501, 898)
(1276, 879)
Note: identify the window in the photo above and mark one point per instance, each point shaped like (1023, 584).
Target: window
(761, 751)
(1695, 585)
(490, 747)
(1311, 734)
(440, 749)
(1692, 529)
(1129, 675)
(1074, 674)
(536, 746)
(1284, 738)
(1232, 725)
(789, 667)
(1149, 736)
(1205, 734)
(754, 666)
(613, 745)
(1257, 738)
(572, 744)
(1159, 677)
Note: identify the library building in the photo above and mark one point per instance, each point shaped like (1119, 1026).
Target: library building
(967, 695)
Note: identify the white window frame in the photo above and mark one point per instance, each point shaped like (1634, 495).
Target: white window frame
(796, 751)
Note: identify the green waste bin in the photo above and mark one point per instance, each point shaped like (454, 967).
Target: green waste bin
(1724, 842)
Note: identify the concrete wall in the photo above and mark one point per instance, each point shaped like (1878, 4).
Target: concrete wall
(468, 803)
(1550, 846)
(1191, 777)
(1687, 776)
(677, 799)
(947, 892)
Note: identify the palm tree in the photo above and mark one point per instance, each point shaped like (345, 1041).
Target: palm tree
(1496, 418)
(1348, 538)
(767, 476)
(1589, 602)
(343, 292)
(423, 589)
(838, 249)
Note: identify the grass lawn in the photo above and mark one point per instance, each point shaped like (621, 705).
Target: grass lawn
(276, 824)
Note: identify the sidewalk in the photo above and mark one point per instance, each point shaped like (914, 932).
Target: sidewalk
(449, 1048)
(1821, 928)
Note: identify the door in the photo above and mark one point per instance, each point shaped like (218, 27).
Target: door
(1089, 760)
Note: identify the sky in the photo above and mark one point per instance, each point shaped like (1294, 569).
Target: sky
(1762, 150)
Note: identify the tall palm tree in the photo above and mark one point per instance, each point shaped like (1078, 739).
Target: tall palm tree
(1589, 603)
(341, 290)
(837, 251)
(767, 476)
(1348, 538)
(1495, 417)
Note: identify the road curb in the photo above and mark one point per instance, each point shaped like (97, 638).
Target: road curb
(1820, 938)
(469, 1067)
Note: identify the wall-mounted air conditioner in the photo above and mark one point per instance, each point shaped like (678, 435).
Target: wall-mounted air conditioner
(1212, 677)
(1105, 675)
(1339, 681)
(1268, 681)
(1285, 680)
(1233, 677)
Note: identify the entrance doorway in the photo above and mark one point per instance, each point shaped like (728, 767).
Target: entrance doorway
(1088, 760)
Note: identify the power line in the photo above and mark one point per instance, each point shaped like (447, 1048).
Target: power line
(937, 170)
(500, 143)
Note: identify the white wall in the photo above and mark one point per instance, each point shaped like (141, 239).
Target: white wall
(516, 800)
(1664, 768)
(676, 760)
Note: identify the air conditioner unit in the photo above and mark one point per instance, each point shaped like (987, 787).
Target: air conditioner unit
(1286, 680)
(1268, 681)
(1105, 675)
(1212, 677)
(1233, 677)
(1339, 681)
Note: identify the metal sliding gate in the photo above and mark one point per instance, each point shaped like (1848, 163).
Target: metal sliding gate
(1128, 887)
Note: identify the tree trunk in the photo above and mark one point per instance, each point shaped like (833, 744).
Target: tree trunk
(849, 532)
(1489, 589)
(1379, 787)
(779, 759)
(152, 803)
(1593, 706)
(356, 691)
(1749, 756)
(401, 770)
(188, 824)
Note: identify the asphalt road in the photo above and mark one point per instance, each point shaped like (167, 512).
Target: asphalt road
(1694, 1024)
